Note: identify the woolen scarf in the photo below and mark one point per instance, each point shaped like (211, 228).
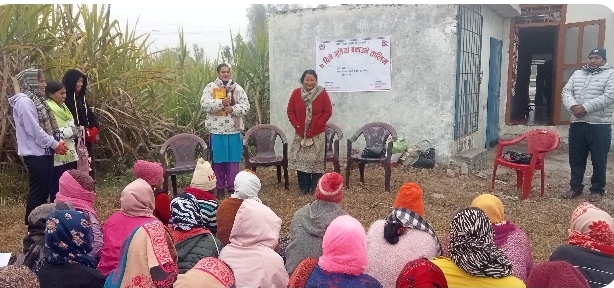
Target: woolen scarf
(69, 237)
(344, 247)
(71, 191)
(421, 273)
(591, 228)
(472, 246)
(410, 219)
(137, 199)
(308, 97)
(231, 87)
(185, 213)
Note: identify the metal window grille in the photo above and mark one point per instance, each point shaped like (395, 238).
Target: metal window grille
(468, 69)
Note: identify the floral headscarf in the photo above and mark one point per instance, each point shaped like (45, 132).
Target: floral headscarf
(185, 213)
(591, 228)
(69, 237)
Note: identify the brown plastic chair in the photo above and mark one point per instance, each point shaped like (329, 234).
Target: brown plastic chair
(184, 149)
(265, 136)
(332, 145)
(374, 133)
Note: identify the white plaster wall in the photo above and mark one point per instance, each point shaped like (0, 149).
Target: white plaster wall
(575, 13)
(421, 103)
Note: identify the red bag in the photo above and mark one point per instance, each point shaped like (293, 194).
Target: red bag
(83, 164)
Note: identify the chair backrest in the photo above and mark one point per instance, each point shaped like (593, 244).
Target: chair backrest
(541, 139)
(265, 136)
(375, 133)
(332, 130)
(184, 150)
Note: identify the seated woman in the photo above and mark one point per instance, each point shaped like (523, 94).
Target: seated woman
(404, 236)
(590, 245)
(247, 185)
(78, 187)
(18, 276)
(421, 273)
(510, 238)
(202, 188)
(474, 260)
(137, 205)
(250, 254)
(343, 262)
(556, 274)
(69, 237)
(33, 248)
(209, 272)
(147, 259)
(192, 240)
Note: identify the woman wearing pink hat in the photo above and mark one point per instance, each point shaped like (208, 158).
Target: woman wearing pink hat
(153, 174)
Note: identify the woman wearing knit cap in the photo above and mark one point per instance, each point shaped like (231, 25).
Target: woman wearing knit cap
(309, 108)
(310, 221)
(77, 187)
(202, 188)
(153, 174)
(209, 272)
(402, 237)
(421, 273)
(474, 259)
(192, 240)
(343, 261)
(137, 205)
(590, 244)
(510, 238)
(556, 274)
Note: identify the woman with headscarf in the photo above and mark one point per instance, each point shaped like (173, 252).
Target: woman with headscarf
(147, 259)
(590, 244)
(225, 103)
(77, 187)
(38, 136)
(474, 260)
(402, 237)
(421, 273)
(343, 262)
(33, 248)
(309, 109)
(69, 238)
(192, 240)
(247, 185)
(556, 274)
(75, 82)
(18, 276)
(510, 238)
(209, 272)
(137, 205)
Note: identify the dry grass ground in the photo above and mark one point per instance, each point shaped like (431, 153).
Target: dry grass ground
(544, 219)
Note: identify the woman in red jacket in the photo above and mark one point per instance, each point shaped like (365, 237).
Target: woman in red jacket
(309, 109)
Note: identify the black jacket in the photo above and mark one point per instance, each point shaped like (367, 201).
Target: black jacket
(83, 114)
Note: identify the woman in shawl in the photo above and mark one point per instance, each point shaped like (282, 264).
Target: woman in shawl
(75, 82)
(147, 259)
(137, 205)
(474, 260)
(209, 272)
(402, 237)
(309, 108)
(343, 262)
(192, 240)
(33, 248)
(69, 238)
(225, 103)
(590, 244)
(18, 276)
(38, 136)
(421, 273)
(77, 187)
(56, 94)
(556, 274)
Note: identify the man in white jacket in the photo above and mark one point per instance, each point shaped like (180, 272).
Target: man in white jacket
(589, 95)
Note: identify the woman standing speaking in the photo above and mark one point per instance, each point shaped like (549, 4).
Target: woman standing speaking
(309, 108)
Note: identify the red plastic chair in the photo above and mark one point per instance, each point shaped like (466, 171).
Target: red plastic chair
(540, 142)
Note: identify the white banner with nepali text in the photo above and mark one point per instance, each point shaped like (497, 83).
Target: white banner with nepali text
(354, 65)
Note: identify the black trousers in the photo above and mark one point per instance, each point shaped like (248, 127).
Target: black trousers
(57, 173)
(587, 138)
(307, 182)
(40, 178)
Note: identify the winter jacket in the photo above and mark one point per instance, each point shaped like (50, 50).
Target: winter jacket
(32, 140)
(83, 114)
(307, 229)
(322, 110)
(595, 92)
(194, 245)
(217, 124)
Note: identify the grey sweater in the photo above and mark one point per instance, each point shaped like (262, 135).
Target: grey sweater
(307, 230)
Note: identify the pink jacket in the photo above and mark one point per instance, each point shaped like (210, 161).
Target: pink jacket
(386, 260)
(250, 254)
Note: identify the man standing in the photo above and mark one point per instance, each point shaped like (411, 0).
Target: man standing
(589, 95)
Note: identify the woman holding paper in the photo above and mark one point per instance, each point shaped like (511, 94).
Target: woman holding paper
(225, 103)
(309, 108)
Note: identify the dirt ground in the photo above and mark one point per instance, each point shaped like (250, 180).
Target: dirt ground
(545, 219)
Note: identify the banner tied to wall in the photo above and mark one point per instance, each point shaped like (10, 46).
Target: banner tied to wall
(354, 65)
